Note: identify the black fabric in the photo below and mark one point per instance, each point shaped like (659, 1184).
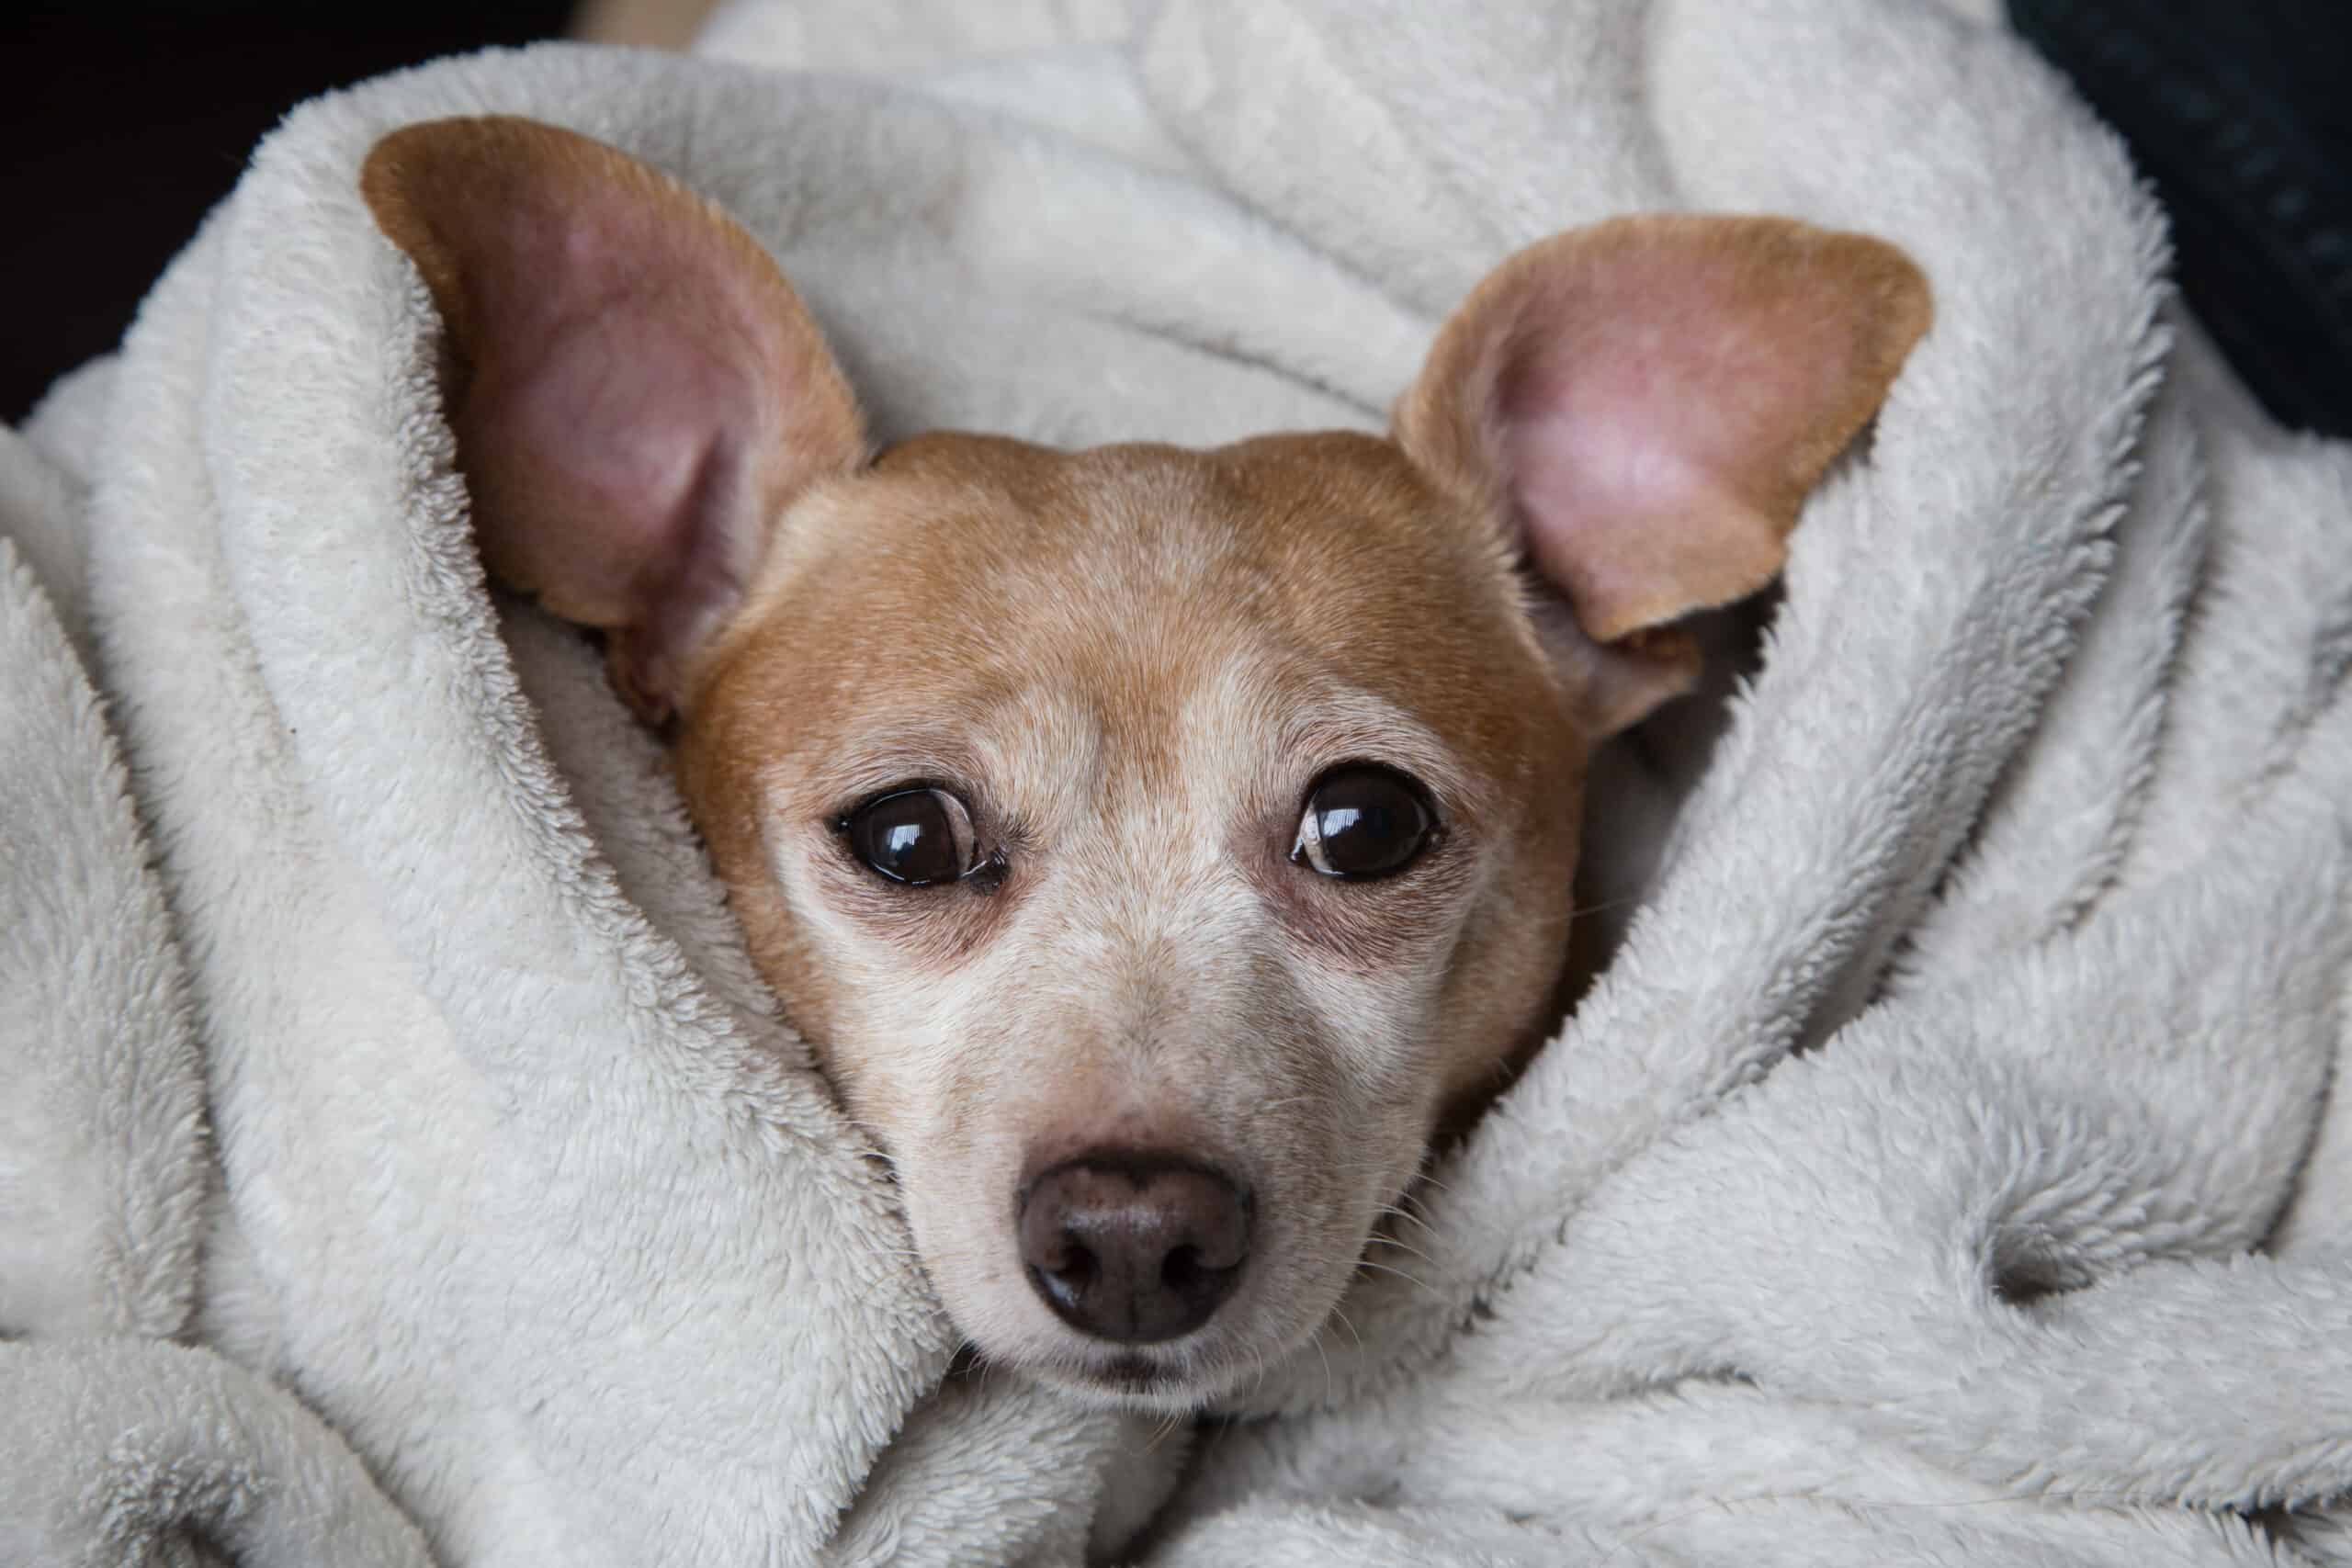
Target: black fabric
(2240, 112)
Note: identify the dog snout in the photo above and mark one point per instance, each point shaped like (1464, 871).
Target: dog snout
(1134, 1247)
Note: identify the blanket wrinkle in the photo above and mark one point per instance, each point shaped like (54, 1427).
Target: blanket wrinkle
(102, 1162)
(2061, 821)
(402, 1163)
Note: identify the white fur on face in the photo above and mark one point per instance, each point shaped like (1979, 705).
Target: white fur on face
(1154, 973)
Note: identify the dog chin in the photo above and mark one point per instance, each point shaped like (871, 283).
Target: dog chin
(1137, 1380)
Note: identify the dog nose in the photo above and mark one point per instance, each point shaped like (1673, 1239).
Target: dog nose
(1134, 1247)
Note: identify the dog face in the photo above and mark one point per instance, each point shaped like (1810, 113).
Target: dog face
(1151, 842)
(1238, 808)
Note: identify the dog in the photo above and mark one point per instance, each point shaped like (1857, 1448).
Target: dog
(1153, 844)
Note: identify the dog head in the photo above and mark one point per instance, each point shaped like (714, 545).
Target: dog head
(1151, 842)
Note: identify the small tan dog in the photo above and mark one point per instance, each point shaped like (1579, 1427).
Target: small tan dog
(1152, 843)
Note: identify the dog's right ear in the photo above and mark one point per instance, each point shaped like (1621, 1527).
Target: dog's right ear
(636, 392)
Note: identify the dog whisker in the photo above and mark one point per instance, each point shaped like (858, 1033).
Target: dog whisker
(1413, 1280)
(1580, 912)
(1412, 1251)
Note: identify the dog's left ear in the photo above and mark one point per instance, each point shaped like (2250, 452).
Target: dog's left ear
(1648, 401)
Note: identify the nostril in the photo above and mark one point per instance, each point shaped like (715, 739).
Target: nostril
(1193, 1285)
(1182, 1271)
(1134, 1247)
(1065, 1274)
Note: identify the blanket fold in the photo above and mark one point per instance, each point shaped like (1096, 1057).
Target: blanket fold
(400, 1161)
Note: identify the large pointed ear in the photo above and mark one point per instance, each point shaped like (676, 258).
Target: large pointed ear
(636, 392)
(1647, 402)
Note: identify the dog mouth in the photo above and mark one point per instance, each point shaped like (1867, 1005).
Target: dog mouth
(1130, 1379)
(1136, 1380)
(1130, 1374)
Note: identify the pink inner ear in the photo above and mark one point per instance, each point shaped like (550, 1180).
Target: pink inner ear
(1644, 450)
(1659, 393)
(641, 447)
(630, 428)
(642, 391)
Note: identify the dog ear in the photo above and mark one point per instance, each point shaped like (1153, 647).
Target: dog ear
(636, 391)
(1649, 400)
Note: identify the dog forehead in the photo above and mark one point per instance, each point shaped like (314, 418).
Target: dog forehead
(1156, 592)
(1329, 543)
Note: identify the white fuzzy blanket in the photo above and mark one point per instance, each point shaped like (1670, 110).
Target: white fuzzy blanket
(399, 1164)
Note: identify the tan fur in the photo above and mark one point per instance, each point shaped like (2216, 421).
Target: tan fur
(1132, 663)
(1138, 658)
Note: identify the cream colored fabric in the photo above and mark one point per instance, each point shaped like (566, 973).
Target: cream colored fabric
(1944, 1169)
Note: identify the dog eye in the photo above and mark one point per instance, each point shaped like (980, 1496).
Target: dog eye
(1361, 822)
(914, 836)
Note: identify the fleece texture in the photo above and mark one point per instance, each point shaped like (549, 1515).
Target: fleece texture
(400, 1162)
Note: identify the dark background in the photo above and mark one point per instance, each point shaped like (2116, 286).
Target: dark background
(124, 122)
